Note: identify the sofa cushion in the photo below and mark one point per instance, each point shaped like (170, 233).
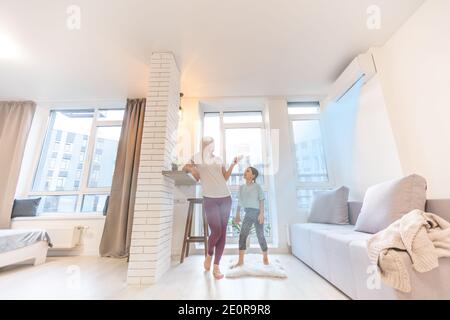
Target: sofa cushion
(441, 207)
(25, 207)
(387, 202)
(330, 207)
(319, 252)
(301, 238)
(368, 284)
(354, 209)
(301, 243)
(341, 273)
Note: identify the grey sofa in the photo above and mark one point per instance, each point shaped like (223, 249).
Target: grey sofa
(339, 254)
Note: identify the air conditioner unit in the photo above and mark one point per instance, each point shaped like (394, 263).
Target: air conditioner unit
(361, 68)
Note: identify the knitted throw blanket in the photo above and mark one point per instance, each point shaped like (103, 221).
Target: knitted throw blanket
(425, 237)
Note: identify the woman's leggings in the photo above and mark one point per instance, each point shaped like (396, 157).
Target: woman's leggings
(250, 219)
(217, 212)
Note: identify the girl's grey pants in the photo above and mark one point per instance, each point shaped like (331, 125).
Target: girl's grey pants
(250, 219)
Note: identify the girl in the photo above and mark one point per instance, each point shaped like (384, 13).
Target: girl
(251, 198)
(210, 171)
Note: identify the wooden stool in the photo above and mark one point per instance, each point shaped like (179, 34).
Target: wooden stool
(188, 237)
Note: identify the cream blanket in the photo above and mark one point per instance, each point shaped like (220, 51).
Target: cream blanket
(424, 237)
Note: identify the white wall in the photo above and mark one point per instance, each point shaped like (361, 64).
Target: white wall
(414, 68)
(284, 178)
(360, 145)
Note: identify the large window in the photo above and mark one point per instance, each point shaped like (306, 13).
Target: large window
(76, 165)
(312, 172)
(240, 134)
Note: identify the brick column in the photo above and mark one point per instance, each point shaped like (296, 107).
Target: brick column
(150, 250)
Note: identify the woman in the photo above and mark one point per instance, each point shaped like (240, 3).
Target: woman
(210, 171)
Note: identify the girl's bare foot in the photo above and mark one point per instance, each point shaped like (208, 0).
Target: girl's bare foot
(207, 263)
(266, 259)
(216, 272)
(241, 259)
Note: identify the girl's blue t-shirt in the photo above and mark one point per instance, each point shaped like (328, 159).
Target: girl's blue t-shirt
(250, 195)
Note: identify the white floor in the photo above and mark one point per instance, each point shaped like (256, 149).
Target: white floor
(101, 278)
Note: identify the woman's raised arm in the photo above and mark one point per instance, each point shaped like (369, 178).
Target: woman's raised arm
(227, 173)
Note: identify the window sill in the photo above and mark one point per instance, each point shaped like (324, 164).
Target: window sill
(62, 216)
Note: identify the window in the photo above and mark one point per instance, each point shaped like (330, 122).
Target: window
(240, 134)
(52, 164)
(311, 166)
(94, 202)
(70, 183)
(303, 108)
(64, 164)
(312, 171)
(68, 147)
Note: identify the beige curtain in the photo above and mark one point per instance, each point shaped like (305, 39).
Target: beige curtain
(15, 123)
(119, 217)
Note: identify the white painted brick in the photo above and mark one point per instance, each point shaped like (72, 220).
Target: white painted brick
(141, 272)
(140, 207)
(138, 221)
(153, 218)
(142, 242)
(140, 265)
(134, 281)
(150, 250)
(149, 280)
(137, 250)
(142, 257)
(137, 235)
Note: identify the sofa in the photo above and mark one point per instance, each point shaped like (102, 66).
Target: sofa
(339, 254)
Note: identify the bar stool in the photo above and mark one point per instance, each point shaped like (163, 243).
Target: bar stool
(188, 237)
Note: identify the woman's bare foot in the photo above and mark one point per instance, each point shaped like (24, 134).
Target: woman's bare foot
(207, 263)
(238, 264)
(265, 259)
(216, 272)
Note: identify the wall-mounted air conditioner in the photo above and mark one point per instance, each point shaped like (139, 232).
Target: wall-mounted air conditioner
(361, 68)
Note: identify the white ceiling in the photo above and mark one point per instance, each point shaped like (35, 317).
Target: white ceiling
(223, 48)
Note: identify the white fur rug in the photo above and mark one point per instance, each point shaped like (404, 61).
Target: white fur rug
(254, 267)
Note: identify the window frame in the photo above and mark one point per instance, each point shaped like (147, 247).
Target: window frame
(264, 147)
(309, 185)
(83, 189)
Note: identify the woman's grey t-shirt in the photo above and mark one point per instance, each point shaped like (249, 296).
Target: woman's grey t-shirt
(212, 180)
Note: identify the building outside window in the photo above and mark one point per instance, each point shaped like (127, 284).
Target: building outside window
(69, 188)
(311, 164)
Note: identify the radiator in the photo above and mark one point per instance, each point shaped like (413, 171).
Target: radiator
(65, 238)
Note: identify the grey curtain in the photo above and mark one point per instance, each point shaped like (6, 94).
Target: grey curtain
(15, 123)
(116, 236)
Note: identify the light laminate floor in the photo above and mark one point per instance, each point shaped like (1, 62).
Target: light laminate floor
(102, 278)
